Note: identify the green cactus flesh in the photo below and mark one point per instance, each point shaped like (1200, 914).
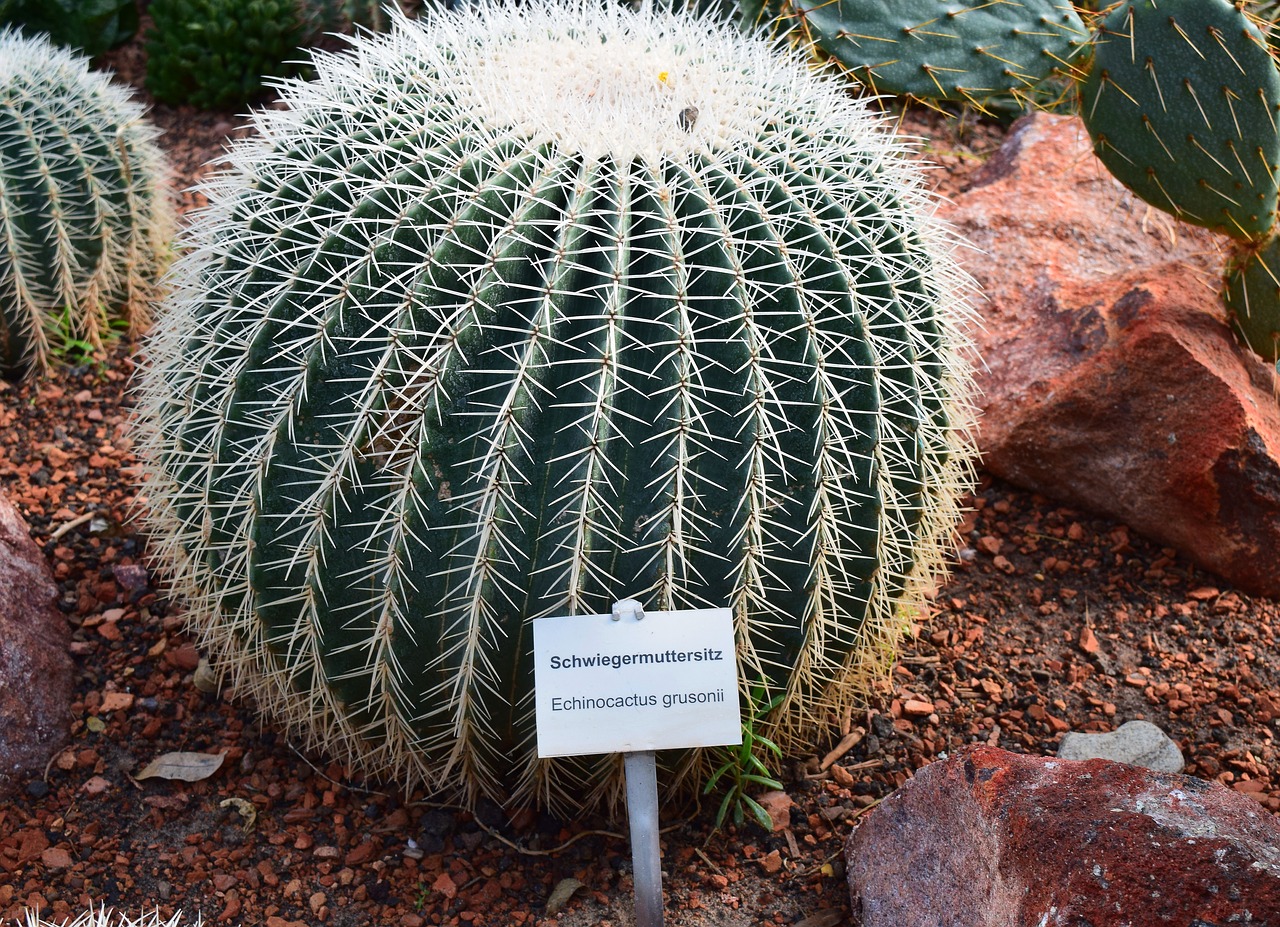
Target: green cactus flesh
(1252, 296)
(627, 305)
(1181, 102)
(84, 219)
(943, 49)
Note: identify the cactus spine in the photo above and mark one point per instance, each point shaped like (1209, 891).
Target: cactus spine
(84, 217)
(1251, 289)
(106, 917)
(614, 303)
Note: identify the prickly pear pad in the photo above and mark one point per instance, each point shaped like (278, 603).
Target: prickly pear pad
(945, 49)
(1182, 102)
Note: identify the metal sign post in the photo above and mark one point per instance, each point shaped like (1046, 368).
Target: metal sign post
(646, 856)
(641, 770)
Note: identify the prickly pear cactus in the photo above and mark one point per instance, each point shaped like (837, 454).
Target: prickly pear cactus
(514, 313)
(1183, 104)
(943, 49)
(1252, 296)
(220, 53)
(84, 216)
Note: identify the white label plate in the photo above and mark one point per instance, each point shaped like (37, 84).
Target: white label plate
(668, 680)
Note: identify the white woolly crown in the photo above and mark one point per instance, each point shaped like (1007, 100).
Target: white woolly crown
(652, 85)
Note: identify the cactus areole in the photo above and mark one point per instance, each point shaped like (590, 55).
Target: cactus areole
(515, 312)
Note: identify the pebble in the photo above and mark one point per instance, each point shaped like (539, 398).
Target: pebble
(37, 788)
(778, 804)
(96, 786)
(445, 885)
(56, 858)
(1138, 743)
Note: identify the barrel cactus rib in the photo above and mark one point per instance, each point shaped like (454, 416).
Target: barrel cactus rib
(887, 315)
(824, 278)
(924, 516)
(233, 451)
(53, 185)
(470, 341)
(22, 333)
(457, 690)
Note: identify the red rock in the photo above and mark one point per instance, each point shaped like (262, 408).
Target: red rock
(1088, 640)
(32, 843)
(778, 804)
(185, 658)
(361, 854)
(56, 858)
(1110, 380)
(96, 786)
(988, 838)
(445, 885)
(35, 702)
(917, 708)
(116, 701)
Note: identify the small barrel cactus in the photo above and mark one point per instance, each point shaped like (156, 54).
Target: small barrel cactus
(106, 917)
(512, 313)
(220, 53)
(85, 220)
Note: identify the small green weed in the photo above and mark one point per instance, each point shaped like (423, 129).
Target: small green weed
(72, 351)
(742, 769)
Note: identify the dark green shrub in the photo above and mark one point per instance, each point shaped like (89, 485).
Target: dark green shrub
(92, 26)
(217, 54)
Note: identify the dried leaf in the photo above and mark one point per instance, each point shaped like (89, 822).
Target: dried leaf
(829, 918)
(188, 767)
(561, 894)
(245, 809)
(205, 679)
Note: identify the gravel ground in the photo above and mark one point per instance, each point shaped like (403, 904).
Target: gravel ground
(1053, 620)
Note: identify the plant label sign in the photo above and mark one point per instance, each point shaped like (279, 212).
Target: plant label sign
(604, 685)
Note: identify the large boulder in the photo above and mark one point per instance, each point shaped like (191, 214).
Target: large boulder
(988, 838)
(35, 666)
(1110, 378)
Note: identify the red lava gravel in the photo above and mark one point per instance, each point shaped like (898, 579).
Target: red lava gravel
(1053, 620)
